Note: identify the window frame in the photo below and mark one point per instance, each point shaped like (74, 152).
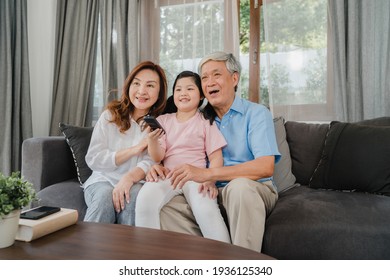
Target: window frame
(254, 51)
(304, 112)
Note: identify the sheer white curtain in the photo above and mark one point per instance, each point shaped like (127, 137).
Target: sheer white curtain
(294, 59)
(117, 50)
(327, 60)
(183, 31)
(174, 33)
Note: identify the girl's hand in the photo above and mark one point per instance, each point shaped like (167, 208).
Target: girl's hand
(154, 148)
(157, 172)
(208, 188)
(155, 134)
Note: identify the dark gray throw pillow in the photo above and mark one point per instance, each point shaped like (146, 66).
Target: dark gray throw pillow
(283, 177)
(78, 139)
(355, 157)
(306, 142)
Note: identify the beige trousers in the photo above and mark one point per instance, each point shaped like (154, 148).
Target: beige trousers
(247, 204)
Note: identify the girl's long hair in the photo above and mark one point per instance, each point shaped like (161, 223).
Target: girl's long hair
(122, 109)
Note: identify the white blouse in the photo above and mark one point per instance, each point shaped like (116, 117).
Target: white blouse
(106, 141)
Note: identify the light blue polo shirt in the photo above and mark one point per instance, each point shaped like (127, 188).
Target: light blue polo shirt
(249, 131)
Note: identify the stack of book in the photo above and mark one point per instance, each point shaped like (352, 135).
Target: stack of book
(33, 229)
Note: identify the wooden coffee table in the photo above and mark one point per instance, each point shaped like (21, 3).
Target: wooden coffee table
(93, 241)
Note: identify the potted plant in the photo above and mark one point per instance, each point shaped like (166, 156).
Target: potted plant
(15, 193)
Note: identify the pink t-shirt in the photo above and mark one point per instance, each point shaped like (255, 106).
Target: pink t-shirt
(189, 142)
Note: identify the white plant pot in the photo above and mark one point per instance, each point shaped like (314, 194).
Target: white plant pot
(8, 227)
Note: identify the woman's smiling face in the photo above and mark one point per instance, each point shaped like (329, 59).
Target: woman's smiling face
(144, 91)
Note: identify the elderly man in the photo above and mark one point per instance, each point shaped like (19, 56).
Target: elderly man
(245, 183)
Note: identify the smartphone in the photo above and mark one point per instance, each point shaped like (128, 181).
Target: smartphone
(153, 123)
(39, 212)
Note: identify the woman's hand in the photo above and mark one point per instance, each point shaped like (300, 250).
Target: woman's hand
(141, 146)
(208, 188)
(124, 155)
(157, 172)
(121, 193)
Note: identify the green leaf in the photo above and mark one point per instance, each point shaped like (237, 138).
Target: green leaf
(15, 193)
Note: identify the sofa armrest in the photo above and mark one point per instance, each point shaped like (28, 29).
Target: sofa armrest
(46, 161)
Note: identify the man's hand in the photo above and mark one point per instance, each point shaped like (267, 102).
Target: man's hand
(184, 173)
(157, 172)
(208, 188)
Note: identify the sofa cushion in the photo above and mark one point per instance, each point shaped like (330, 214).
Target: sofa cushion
(78, 139)
(318, 224)
(355, 157)
(305, 141)
(283, 177)
(66, 194)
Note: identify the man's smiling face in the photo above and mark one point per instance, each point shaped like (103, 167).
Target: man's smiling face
(218, 85)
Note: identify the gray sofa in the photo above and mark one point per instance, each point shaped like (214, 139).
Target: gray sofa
(333, 180)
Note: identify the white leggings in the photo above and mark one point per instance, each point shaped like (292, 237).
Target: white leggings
(154, 195)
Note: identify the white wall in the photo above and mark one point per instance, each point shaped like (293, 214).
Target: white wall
(41, 20)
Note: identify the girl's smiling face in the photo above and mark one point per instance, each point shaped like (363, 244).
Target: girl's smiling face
(186, 95)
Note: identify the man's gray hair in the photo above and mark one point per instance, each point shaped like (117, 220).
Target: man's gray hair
(232, 64)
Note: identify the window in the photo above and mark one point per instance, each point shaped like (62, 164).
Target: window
(292, 39)
(293, 59)
(282, 46)
(188, 31)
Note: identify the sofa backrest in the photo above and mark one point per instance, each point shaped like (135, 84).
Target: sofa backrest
(306, 141)
(46, 161)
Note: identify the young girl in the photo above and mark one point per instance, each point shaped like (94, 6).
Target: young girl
(117, 153)
(188, 138)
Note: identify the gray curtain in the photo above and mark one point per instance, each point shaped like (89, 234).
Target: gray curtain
(360, 33)
(119, 27)
(15, 105)
(75, 63)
